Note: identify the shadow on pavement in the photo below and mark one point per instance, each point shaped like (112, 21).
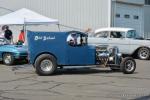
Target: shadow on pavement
(82, 71)
(21, 62)
(18, 62)
(143, 98)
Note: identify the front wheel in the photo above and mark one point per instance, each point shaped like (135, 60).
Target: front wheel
(8, 59)
(143, 53)
(128, 65)
(45, 65)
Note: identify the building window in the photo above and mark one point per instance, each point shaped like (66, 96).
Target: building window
(126, 16)
(147, 2)
(118, 15)
(136, 17)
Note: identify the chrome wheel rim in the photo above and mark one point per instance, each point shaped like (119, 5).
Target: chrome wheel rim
(46, 65)
(144, 53)
(129, 65)
(7, 59)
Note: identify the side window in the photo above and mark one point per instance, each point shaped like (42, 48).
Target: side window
(126, 16)
(131, 34)
(147, 2)
(136, 17)
(117, 35)
(102, 35)
(76, 39)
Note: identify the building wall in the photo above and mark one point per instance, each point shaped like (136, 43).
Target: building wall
(147, 21)
(77, 13)
(131, 8)
(80, 14)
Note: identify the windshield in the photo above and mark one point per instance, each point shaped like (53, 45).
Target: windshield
(3, 41)
(131, 34)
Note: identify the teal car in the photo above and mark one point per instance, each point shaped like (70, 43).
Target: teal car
(10, 53)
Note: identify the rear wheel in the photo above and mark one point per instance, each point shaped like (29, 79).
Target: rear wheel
(8, 59)
(45, 64)
(144, 53)
(128, 65)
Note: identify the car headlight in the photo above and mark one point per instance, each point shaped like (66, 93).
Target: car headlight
(111, 58)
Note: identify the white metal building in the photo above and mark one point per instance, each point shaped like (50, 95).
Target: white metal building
(147, 18)
(85, 13)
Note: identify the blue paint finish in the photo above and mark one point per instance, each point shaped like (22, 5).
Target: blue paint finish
(91, 55)
(82, 55)
(18, 51)
(55, 43)
(47, 42)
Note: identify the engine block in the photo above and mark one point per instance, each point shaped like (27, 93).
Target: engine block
(107, 55)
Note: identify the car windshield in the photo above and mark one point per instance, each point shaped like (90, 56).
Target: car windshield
(131, 34)
(3, 41)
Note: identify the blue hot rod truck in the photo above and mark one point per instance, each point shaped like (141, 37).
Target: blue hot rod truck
(50, 50)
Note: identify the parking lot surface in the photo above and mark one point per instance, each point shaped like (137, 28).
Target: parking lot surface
(20, 82)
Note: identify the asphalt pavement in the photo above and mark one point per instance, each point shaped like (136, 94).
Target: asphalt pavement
(20, 82)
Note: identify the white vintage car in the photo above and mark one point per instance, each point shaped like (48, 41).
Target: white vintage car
(124, 38)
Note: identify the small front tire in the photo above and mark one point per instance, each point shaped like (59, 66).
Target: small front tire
(128, 65)
(45, 65)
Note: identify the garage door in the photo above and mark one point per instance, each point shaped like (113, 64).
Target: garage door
(130, 16)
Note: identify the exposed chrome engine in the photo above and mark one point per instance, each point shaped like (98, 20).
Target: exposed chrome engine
(105, 55)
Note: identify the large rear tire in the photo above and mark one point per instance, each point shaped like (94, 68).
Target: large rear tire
(45, 65)
(128, 65)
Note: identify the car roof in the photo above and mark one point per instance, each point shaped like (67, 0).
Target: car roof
(119, 29)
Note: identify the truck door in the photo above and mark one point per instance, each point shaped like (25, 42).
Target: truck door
(77, 48)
